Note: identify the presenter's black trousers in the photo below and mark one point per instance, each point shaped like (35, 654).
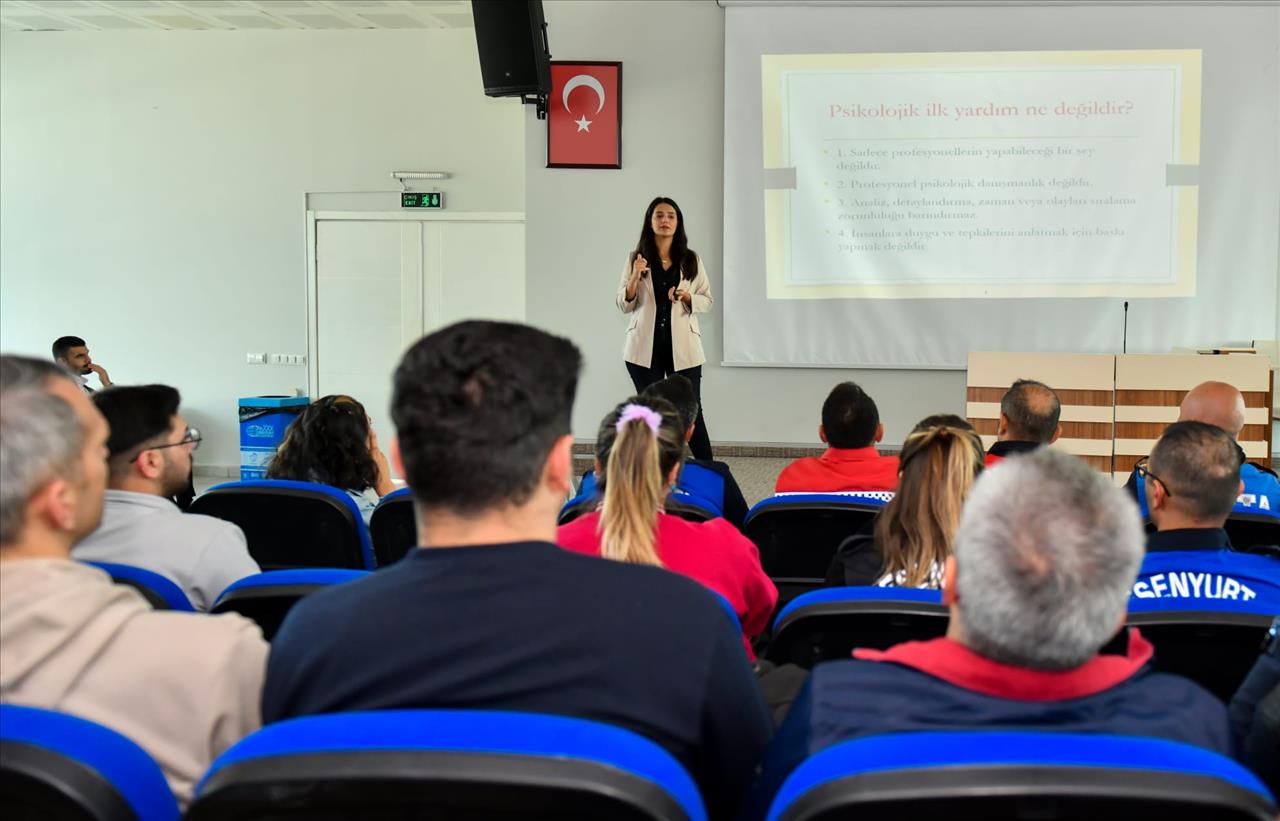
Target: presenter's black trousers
(643, 377)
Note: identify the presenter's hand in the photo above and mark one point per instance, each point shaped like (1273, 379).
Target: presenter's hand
(102, 374)
(639, 268)
(680, 295)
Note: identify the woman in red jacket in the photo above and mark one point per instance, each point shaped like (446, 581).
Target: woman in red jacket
(639, 451)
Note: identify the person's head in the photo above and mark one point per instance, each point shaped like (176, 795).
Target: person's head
(664, 221)
(850, 418)
(1046, 553)
(482, 411)
(1029, 412)
(1192, 477)
(72, 353)
(329, 443)
(150, 446)
(639, 449)
(53, 448)
(1214, 403)
(677, 390)
(940, 460)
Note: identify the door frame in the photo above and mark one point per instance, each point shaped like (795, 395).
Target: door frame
(432, 276)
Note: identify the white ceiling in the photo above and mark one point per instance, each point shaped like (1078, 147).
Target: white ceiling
(230, 15)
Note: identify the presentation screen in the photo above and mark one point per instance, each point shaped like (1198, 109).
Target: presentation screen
(900, 208)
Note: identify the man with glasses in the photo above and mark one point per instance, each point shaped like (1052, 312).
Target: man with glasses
(151, 447)
(1190, 482)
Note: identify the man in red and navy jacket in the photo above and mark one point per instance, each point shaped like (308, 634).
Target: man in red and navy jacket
(1029, 414)
(1043, 563)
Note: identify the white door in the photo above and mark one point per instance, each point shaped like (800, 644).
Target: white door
(368, 308)
(380, 281)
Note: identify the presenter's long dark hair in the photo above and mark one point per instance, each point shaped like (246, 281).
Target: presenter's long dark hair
(680, 254)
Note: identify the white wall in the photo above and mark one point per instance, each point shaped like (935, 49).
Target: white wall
(580, 225)
(152, 187)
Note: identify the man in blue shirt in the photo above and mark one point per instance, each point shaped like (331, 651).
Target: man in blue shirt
(1043, 561)
(1191, 482)
(489, 613)
(1221, 405)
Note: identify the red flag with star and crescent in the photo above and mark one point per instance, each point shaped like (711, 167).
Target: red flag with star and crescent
(584, 115)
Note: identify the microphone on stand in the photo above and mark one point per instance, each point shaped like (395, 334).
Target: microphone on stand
(1124, 339)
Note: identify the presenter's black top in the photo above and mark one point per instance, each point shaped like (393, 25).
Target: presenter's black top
(663, 281)
(531, 627)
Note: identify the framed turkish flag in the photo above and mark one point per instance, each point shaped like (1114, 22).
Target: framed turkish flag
(584, 115)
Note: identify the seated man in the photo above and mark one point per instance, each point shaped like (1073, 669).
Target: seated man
(850, 428)
(703, 482)
(1221, 405)
(183, 686)
(1191, 482)
(1029, 414)
(489, 613)
(72, 353)
(150, 460)
(1044, 558)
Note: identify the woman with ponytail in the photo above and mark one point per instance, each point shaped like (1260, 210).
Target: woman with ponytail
(639, 451)
(910, 540)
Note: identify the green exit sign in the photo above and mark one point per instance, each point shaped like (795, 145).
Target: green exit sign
(424, 199)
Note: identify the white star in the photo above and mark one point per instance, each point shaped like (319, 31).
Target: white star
(584, 124)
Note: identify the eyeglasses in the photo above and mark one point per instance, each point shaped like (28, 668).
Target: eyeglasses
(1145, 472)
(191, 437)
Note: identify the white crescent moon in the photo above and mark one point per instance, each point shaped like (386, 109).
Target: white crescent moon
(582, 80)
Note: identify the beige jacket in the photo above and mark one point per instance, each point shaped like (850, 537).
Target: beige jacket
(686, 336)
(184, 686)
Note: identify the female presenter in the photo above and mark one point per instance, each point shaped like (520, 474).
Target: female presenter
(664, 287)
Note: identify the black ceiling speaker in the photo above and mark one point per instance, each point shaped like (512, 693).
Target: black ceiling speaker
(515, 60)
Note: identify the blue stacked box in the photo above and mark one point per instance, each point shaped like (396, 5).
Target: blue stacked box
(263, 420)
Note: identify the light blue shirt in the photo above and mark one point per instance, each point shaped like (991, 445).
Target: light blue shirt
(200, 554)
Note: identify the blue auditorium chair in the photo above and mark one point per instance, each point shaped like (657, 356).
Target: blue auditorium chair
(266, 598)
(1213, 642)
(292, 524)
(830, 623)
(798, 534)
(684, 505)
(1020, 775)
(159, 591)
(452, 764)
(393, 527)
(58, 766)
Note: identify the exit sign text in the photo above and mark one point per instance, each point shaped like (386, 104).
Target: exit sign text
(424, 199)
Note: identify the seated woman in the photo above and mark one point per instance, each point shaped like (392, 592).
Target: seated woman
(908, 543)
(332, 442)
(639, 451)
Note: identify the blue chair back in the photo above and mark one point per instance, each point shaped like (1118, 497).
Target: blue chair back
(449, 764)
(159, 591)
(798, 534)
(292, 524)
(830, 623)
(1201, 626)
(1020, 775)
(266, 598)
(393, 527)
(54, 765)
(684, 505)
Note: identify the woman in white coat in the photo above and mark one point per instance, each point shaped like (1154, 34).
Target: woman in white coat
(664, 287)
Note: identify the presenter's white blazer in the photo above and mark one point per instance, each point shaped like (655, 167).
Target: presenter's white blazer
(686, 336)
